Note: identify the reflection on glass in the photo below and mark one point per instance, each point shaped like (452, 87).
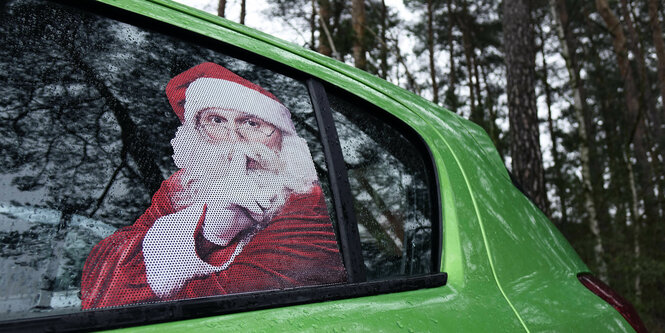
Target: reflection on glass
(390, 189)
(86, 131)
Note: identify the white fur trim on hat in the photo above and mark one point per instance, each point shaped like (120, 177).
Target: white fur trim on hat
(218, 93)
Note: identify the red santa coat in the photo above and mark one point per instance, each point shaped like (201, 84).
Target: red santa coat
(297, 248)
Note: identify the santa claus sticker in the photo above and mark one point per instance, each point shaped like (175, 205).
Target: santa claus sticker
(245, 212)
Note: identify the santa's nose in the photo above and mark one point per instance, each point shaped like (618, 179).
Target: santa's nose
(227, 134)
(234, 136)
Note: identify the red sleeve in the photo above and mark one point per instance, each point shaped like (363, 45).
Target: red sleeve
(114, 272)
(298, 248)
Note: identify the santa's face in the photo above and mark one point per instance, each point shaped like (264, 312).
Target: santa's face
(231, 126)
(223, 148)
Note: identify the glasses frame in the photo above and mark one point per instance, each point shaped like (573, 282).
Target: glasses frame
(247, 134)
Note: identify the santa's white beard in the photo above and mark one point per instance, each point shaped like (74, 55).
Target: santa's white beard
(231, 178)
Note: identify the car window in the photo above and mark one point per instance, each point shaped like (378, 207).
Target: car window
(147, 167)
(141, 168)
(391, 181)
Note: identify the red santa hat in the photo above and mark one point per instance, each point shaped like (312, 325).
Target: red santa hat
(209, 85)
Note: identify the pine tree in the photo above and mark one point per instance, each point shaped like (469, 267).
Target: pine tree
(526, 156)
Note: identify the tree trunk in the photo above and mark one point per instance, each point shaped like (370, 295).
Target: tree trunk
(383, 66)
(221, 8)
(412, 85)
(430, 48)
(523, 117)
(475, 117)
(558, 182)
(469, 55)
(493, 130)
(451, 93)
(621, 52)
(325, 40)
(634, 215)
(622, 184)
(568, 46)
(480, 108)
(657, 35)
(312, 27)
(243, 11)
(659, 44)
(634, 117)
(358, 21)
(654, 118)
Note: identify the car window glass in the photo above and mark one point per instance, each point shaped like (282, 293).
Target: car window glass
(89, 190)
(390, 184)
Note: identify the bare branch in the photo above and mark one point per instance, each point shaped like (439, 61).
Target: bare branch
(330, 40)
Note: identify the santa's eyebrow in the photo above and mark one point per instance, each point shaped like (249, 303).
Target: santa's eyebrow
(212, 112)
(249, 117)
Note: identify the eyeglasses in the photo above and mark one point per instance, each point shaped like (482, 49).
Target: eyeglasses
(218, 126)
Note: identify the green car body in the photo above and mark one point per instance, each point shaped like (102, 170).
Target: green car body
(509, 269)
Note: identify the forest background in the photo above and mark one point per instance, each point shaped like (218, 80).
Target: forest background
(572, 94)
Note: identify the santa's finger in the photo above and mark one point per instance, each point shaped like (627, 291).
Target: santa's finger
(264, 202)
(260, 151)
(250, 205)
(253, 207)
(238, 163)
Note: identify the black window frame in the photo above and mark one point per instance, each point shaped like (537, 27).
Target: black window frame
(347, 228)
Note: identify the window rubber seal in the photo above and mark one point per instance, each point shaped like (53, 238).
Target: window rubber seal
(153, 313)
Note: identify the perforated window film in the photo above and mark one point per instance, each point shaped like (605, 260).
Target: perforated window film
(140, 168)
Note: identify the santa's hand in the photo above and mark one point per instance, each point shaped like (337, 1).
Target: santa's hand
(221, 225)
(262, 157)
(169, 251)
(241, 191)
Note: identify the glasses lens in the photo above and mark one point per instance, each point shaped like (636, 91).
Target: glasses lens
(255, 129)
(216, 131)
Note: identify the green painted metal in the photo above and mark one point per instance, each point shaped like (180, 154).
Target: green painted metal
(509, 268)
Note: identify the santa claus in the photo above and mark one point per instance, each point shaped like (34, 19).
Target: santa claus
(244, 213)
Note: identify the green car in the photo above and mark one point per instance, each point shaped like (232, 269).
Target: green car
(166, 169)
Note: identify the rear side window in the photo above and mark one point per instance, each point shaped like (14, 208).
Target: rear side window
(139, 168)
(390, 175)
